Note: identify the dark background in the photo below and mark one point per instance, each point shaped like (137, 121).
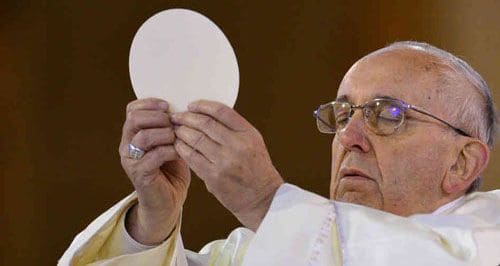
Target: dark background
(64, 86)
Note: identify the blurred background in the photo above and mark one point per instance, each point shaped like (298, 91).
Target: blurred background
(65, 83)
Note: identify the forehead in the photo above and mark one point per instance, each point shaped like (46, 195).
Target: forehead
(415, 77)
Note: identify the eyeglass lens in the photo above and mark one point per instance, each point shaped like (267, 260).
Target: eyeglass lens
(381, 116)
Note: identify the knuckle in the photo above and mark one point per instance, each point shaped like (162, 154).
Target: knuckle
(129, 106)
(200, 139)
(132, 117)
(205, 122)
(121, 150)
(144, 139)
(133, 105)
(193, 155)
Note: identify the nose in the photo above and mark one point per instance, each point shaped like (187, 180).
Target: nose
(353, 136)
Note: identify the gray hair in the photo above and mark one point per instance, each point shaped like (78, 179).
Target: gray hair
(475, 115)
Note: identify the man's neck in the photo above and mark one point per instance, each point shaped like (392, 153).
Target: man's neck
(444, 208)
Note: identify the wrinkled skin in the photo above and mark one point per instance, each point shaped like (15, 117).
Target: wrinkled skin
(422, 166)
(211, 139)
(407, 169)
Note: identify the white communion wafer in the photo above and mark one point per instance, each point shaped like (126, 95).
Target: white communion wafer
(181, 56)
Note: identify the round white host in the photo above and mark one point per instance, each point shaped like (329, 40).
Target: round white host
(181, 56)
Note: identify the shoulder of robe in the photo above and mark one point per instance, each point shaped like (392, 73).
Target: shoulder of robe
(484, 206)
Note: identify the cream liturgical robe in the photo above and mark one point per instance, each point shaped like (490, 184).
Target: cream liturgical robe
(302, 228)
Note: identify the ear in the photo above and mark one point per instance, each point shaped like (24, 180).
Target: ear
(470, 162)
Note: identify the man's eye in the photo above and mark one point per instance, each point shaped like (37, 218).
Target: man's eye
(387, 120)
(341, 117)
(391, 114)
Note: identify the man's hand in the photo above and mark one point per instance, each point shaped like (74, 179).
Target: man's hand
(160, 178)
(230, 156)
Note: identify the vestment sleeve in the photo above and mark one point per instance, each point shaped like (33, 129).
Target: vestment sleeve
(106, 242)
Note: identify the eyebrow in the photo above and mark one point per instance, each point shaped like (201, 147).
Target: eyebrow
(387, 97)
(342, 98)
(345, 98)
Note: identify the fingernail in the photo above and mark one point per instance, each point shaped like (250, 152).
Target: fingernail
(163, 105)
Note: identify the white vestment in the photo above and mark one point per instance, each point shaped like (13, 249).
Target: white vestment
(302, 228)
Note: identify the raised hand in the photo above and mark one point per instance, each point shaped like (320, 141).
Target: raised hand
(160, 177)
(230, 156)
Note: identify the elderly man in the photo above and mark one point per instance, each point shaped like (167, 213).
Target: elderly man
(413, 128)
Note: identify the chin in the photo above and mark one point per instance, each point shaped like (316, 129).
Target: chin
(359, 198)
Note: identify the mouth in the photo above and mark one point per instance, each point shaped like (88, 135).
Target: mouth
(354, 174)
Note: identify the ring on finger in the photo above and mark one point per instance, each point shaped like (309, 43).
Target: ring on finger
(134, 152)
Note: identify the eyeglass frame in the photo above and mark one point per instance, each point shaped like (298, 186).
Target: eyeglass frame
(401, 103)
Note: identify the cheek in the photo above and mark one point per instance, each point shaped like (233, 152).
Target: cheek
(410, 171)
(337, 155)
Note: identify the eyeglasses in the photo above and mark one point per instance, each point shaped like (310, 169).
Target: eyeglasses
(383, 116)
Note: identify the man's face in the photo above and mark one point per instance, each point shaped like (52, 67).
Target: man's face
(405, 169)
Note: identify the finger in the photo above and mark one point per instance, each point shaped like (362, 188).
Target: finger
(147, 104)
(226, 115)
(153, 159)
(143, 119)
(198, 141)
(206, 124)
(147, 139)
(196, 161)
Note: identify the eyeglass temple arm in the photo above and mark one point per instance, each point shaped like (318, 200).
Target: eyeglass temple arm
(315, 115)
(458, 130)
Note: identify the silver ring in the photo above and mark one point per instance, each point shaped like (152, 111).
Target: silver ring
(134, 152)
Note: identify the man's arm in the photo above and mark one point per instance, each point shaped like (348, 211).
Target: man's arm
(159, 177)
(244, 179)
(106, 242)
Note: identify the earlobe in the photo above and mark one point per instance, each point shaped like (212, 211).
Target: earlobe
(470, 162)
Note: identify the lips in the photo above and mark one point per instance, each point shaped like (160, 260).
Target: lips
(354, 174)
